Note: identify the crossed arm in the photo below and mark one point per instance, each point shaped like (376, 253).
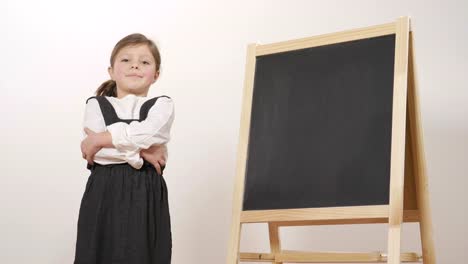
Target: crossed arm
(146, 139)
(95, 141)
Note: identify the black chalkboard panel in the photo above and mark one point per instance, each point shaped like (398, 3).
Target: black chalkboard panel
(320, 130)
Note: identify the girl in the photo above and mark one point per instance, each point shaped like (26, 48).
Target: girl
(124, 214)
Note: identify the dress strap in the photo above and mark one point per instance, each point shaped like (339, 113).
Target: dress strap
(144, 110)
(108, 111)
(111, 117)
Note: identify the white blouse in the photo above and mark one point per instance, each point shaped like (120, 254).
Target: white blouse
(130, 139)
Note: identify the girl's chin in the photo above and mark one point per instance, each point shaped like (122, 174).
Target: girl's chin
(135, 90)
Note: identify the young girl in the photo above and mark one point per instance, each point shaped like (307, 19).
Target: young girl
(124, 214)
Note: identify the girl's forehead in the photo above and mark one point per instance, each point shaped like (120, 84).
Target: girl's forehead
(139, 50)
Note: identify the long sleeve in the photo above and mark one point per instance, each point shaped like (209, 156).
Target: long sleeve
(155, 129)
(93, 118)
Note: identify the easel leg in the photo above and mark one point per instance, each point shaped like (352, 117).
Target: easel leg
(394, 244)
(426, 242)
(275, 245)
(421, 182)
(397, 166)
(234, 242)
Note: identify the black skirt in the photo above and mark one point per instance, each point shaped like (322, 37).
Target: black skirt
(124, 217)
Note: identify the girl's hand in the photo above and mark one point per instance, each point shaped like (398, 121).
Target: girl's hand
(156, 155)
(91, 145)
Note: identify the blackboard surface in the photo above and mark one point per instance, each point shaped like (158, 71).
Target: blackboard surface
(320, 130)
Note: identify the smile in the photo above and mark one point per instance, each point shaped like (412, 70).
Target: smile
(134, 75)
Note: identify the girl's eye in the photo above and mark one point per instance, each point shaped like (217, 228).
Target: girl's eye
(124, 60)
(145, 62)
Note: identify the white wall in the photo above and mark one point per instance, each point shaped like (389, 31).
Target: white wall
(55, 54)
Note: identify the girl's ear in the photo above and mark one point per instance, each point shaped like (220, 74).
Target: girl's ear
(111, 72)
(156, 76)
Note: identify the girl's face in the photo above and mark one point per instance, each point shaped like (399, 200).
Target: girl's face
(134, 70)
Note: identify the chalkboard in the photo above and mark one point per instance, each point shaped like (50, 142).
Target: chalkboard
(320, 128)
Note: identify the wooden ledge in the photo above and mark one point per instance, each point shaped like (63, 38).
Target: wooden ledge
(325, 257)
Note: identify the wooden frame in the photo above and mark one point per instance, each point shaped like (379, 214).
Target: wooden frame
(409, 199)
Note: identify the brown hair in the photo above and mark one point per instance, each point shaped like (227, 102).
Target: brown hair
(109, 87)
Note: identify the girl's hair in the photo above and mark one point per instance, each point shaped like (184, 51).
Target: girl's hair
(109, 87)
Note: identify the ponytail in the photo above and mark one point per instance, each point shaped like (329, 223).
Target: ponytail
(107, 88)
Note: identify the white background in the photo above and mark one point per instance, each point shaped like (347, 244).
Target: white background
(54, 54)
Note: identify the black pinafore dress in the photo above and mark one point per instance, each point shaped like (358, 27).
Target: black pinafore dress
(124, 213)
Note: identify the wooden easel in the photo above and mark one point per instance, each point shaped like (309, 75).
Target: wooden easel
(409, 198)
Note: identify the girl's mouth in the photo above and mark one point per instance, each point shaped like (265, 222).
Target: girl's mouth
(134, 75)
